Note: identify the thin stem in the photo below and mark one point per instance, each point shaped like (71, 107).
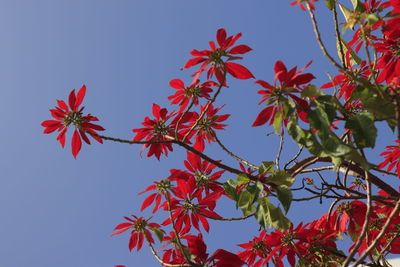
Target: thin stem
(180, 119)
(153, 251)
(212, 100)
(318, 37)
(228, 219)
(281, 141)
(365, 225)
(338, 37)
(294, 158)
(230, 153)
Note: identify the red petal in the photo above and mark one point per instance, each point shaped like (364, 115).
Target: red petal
(221, 36)
(238, 71)
(80, 96)
(76, 143)
(148, 201)
(71, 100)
(177, 84)
(279, 66)
(240, 49)
(263, 117)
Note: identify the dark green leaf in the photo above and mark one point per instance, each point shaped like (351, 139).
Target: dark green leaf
(245, 200)
(158, 233)
(330, 4)
(270, 216)
(230, 189)
(363, 129)
(311, 91)
(242, 179)
(280, 178)
(285, 196)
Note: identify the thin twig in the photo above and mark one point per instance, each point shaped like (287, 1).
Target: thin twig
(212, 100)
(294, 158)
(338, 37)
(230, 153)
(281, 141)
(365, 224)
(153, 251)
(228, 219)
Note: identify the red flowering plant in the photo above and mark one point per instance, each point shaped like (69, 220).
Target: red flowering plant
(364, 204)
(71, 114)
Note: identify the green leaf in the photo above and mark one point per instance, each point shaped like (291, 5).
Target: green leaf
(311, 91)
(245, 200)
(242, 179)
(372, 19)
(363, 128)
(348, 14)
(266, 167)
(354, 58)
(280, 178)
(330, 4)
(277, 121)
(159, 233)
(285, 196)
(268, 215)
(230, 189)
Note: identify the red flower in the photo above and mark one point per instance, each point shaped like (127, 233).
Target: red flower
(157, 129)
(139, 231)
(257, 248)
(392, 157)
(193, 92)
(275, 95)
(346, 84)
(389, 62)
(204, 130)
(213, 60)
(162, 188)
(187, 210)
(71, 114)
(202, 173)
(289, 243)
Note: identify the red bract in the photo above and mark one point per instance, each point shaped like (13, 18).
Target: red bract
(71, 114)
(156, 130)
(289, 83)
(162, 188)
(301, 5)
(256, 252)
(204, 129)
(389, 62)
(213, 62)
(392, 158)
(193, 92)
(187, 210)
(173, 255)
(202, 172)
(139, 231)
(345, 84)
(289, 243)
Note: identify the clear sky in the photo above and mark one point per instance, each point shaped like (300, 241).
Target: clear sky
(58, 211)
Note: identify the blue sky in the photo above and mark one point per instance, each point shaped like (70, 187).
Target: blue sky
(58, 211)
